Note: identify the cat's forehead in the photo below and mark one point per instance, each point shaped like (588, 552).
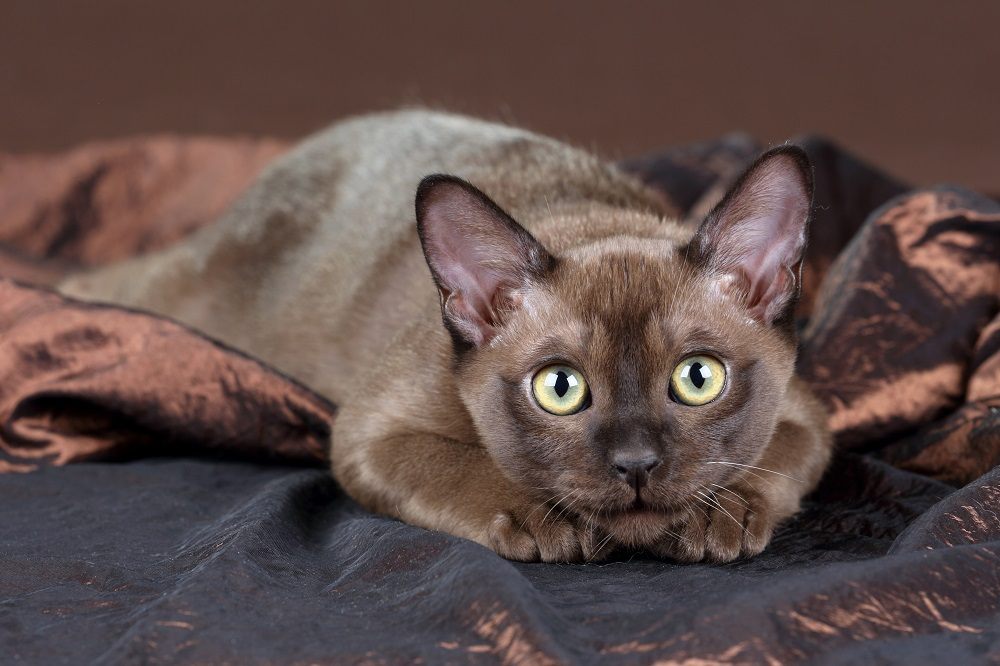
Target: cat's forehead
(641, 295)
(629, 278)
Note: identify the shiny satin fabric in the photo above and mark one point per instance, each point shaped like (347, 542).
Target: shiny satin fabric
(225, 549)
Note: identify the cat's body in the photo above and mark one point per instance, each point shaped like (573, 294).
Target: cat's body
(319, 271)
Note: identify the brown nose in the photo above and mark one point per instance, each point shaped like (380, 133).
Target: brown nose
(635, 468)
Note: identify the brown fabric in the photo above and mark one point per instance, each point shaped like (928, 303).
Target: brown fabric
(695, 178)
(194, 561)
(108, 201)
(86, 382)
(906, 336)
(902, 293)
(876, 348)
(82, 382)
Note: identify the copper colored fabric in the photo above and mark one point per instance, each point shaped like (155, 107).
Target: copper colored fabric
(905, 340)
(108, 201)
(901, 290)
(81, 382)
(695, 178)
(224, 549)
(86, 382)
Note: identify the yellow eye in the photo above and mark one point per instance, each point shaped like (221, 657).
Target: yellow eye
(698, 380)
(560, 390)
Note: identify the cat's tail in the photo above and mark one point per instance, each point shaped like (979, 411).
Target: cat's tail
(116, 284)
(162, 282)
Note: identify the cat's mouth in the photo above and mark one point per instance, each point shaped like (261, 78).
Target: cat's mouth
(638, 524)
(637, 517)
(639, 508)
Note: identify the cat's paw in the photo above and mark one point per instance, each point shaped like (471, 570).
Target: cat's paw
(730, 524)
(533, 536)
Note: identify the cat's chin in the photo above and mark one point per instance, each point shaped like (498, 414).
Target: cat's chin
(639, 525)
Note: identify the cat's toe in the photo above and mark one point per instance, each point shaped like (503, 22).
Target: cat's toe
(557, 541)
(741, 526)
(510, 541)
(532, 539)
(758, 532)
(685, 543)
(734, 526)
(726, 531)
(597, 546)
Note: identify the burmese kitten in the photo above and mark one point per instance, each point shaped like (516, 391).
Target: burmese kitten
(574, 374)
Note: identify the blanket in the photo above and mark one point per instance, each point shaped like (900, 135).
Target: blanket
(198, 523)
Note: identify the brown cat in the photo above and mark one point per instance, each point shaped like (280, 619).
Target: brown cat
(602, 377)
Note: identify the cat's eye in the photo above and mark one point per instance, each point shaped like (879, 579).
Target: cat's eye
(698, 380)
(560, 390)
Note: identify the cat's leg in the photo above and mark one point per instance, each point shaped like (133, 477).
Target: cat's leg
(738, 518)
(442, 484)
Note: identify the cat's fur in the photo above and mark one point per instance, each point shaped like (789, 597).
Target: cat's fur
(318, 269)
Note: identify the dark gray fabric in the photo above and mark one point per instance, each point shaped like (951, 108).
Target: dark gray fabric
(211, 561)
(207, 561)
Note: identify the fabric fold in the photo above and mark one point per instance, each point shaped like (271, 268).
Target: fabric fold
(90, 382)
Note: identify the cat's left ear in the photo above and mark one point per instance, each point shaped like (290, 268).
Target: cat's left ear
(754, 240)
(480, 257)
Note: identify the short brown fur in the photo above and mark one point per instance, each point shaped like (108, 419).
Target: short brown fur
(319, 271)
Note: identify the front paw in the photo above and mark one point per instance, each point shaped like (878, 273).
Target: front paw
(541, 534)
(721, 527)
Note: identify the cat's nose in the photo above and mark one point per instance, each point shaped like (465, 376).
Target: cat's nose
(635, 467)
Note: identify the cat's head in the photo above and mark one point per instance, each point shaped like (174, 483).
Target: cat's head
(621, 377)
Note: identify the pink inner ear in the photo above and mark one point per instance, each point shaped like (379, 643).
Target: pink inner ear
(760, 234)
(463, 271)
(462, 268)
(476, 253)
(467, 320)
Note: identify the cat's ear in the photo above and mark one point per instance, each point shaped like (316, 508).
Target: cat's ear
(755, 238)
(480, 257)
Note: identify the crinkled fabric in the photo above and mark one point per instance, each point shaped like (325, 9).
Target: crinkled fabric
(108, 201)
(191, 527)
(91, 382)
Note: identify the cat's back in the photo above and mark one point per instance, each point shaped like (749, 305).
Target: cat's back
(360, 278)
(375, 162)
(334, 205)
(352, 186)
(317, 267)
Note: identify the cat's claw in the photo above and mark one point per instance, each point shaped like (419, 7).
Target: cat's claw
(529, 538)
(724, 532)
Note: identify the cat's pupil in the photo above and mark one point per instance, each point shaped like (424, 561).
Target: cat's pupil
(562, 384)
(697, 377)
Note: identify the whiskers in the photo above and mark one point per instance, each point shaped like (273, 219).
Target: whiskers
(573, 500)
(748, 468)
(593, 514)
(707, 497)
(565, 503)
(542, 504)
(599, 547)
(557, 503)
(739, 498)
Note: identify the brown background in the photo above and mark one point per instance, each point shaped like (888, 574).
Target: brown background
(912, 86)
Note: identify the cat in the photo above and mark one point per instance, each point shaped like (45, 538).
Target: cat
(533, 356)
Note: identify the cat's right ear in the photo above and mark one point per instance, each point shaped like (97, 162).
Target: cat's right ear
(755, 238)
(479, 256)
